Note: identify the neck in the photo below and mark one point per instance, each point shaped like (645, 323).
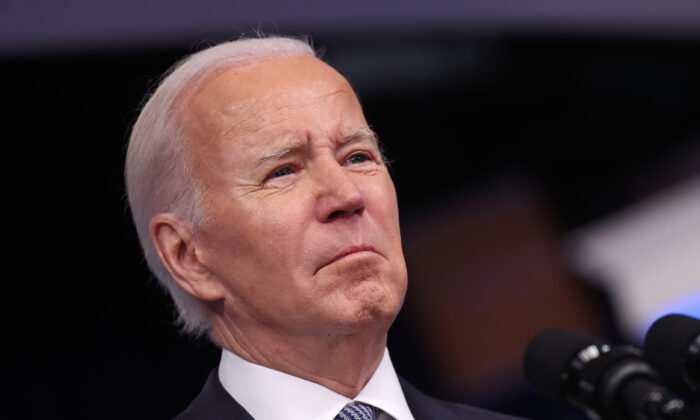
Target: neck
(340, 362)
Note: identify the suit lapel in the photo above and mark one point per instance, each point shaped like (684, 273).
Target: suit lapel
(424, 407)
(214, 403)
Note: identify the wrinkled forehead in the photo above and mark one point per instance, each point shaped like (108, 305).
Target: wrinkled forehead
(238, 104)
(236, 94)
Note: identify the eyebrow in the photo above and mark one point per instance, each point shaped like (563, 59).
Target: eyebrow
(360, 133)
(277, 154)
(363, 132)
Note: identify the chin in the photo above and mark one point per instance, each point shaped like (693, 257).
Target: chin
(373, 306)
(370, 298)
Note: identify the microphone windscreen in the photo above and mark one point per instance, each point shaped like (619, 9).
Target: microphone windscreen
(667, 341)
(549, 355)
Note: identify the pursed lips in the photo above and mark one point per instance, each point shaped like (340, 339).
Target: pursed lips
(348, 251)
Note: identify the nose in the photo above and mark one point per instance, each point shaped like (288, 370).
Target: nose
(339, 196)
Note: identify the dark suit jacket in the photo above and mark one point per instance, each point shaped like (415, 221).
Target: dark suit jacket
(214, 403)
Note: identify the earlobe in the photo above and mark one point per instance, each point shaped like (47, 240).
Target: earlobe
(173, 239)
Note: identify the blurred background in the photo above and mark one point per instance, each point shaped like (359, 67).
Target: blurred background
(546, 156)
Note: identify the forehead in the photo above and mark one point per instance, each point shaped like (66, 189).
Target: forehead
(238, 104)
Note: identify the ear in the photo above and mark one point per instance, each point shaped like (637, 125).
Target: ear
(173, 239)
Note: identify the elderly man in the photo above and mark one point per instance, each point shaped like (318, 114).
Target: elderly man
(264, 207)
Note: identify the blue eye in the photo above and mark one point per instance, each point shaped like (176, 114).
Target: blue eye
(282, 172)
(357, 158)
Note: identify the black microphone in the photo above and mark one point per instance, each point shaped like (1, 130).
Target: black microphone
(605, 382)
(672, 345)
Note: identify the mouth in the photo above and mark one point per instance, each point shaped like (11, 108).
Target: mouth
(348, 251)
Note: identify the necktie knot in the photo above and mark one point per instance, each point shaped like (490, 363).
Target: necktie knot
(358, 411)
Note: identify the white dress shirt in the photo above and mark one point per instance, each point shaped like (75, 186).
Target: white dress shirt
(268, 394)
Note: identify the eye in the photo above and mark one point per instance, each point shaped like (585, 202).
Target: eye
(358, 158)
(282, 175)
(281, 172)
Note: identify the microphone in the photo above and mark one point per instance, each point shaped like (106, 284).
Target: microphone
(605, 382)
(672, 345)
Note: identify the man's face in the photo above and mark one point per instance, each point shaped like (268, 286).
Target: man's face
(302, 225)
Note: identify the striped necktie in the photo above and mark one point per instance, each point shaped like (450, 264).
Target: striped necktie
(358, 411)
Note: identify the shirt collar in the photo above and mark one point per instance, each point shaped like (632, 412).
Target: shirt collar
(267, 394)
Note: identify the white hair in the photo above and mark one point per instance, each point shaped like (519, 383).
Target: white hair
(159, 174)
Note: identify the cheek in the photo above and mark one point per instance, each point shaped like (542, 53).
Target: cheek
(276, 230)
(383, 198)
(278, 222)
(387, 217)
